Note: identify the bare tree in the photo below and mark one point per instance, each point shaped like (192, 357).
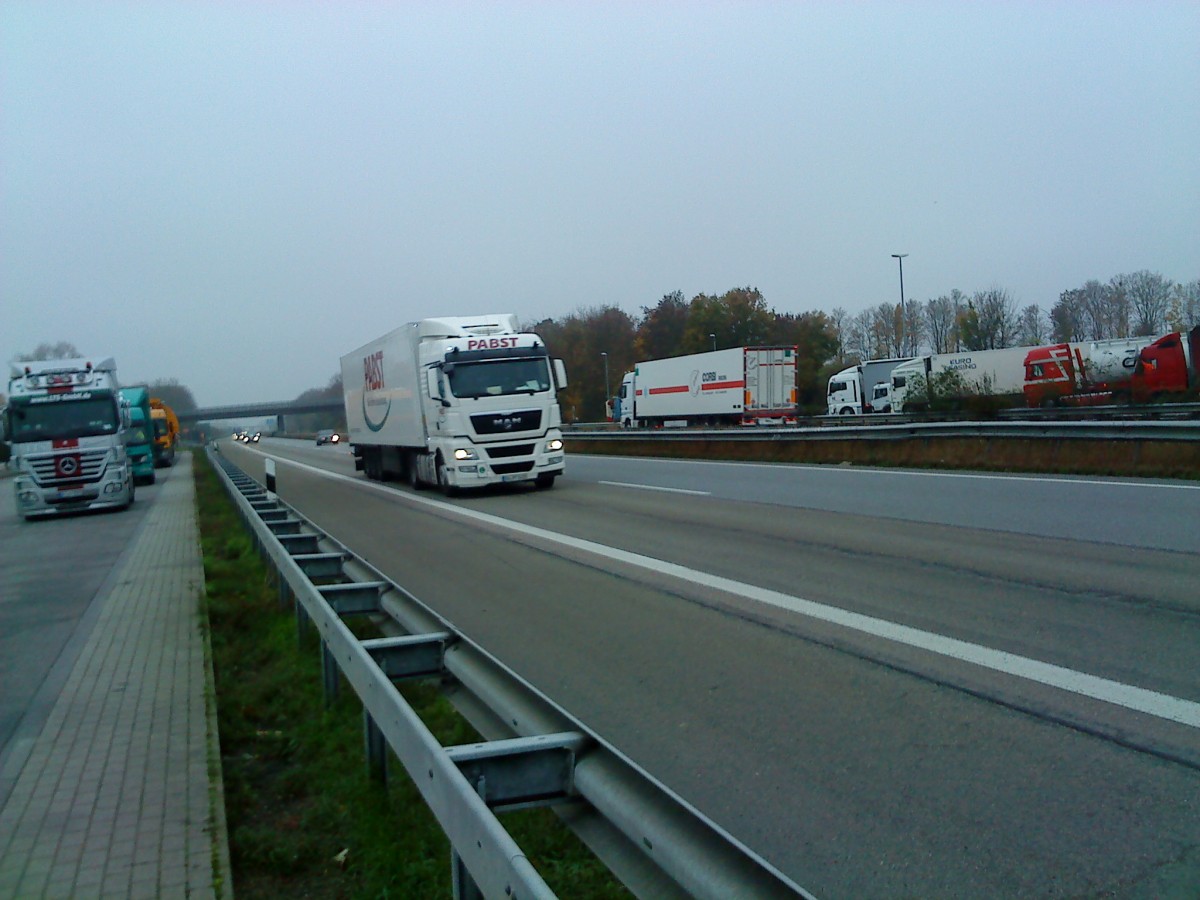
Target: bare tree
(1184, 313)
(43, 351)
(994, 320)
(839, 319)
(1033, 328)
(940, 317)
(886, 331)
(1149, 297)
(914, 329)
(1067, 317)
(859, 340)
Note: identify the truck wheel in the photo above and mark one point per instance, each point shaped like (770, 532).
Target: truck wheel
(845, 411)
(545, 482)
(443, 482)
(414, 477)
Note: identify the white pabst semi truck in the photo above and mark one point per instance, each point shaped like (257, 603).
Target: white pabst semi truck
(67, 428)
(741, 385)
(863, 388)
(459, 402)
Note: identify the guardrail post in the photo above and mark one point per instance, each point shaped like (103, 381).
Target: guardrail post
(329, 675)
(463, 884)
(302, 621)
(465, 887)
(376, 747)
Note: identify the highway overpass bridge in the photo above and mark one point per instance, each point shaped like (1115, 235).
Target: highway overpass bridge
(282, 409)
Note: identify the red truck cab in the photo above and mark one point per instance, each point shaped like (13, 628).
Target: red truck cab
(1051, 373)
(1168, 366)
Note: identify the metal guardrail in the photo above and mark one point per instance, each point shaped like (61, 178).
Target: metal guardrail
(534, 753)
(884, 427)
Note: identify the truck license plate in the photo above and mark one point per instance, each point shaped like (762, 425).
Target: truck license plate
(518, 477)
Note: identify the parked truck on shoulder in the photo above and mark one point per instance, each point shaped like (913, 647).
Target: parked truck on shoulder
(460, 402)
(954, 379)
(863, 388)
(139, 443)
(1168, 368)
(1081, 374)
(67, 428)
(166, 432)
(738, 386)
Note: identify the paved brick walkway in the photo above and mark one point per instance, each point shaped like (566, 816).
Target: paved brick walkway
(115, 798)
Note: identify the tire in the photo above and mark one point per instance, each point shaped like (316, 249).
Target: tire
(545, 482)
(414, 477)
(443, 483)
(845, 411)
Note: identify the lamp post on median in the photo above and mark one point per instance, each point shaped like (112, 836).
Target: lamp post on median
(607, 394)
(899, 257)
(714, 340)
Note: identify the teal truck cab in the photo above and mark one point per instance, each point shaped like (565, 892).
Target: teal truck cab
(139, 442)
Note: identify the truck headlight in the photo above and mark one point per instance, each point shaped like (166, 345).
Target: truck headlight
(465, 453)
(552, 445)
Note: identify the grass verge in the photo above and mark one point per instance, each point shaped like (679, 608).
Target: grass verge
(304, 820)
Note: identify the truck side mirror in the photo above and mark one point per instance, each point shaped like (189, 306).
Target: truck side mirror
(560, 374)
(433, 385)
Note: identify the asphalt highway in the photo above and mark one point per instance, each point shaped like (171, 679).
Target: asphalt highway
(886, 683)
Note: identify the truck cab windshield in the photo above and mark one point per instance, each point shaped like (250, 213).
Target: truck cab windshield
(499, 377)
(61, 419)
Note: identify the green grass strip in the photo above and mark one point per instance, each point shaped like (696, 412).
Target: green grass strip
(304, 819)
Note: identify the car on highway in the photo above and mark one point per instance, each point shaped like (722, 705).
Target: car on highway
(327, 436)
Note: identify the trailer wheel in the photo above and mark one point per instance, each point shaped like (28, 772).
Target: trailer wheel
(414, 476)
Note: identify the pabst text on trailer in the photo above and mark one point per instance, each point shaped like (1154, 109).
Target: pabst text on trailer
(741, 385)
(458, 402)
(67, 429)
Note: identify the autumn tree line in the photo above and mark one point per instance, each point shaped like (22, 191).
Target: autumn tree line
(600, 344)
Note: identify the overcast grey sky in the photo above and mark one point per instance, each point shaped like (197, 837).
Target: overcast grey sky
(235, 194)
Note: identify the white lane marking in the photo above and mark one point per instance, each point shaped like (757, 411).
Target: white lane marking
(651, 487)
(1153, 703)
(869, 470)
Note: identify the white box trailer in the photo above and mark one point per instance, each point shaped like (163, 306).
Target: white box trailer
(852, 390)
(741, 385)
(458, 402)
(956, 376)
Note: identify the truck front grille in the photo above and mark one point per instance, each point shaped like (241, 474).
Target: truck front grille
(505, 422)
(66, 469)
(509, 450)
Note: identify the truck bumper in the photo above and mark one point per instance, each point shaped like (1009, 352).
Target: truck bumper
(33, 500)
(475, 473)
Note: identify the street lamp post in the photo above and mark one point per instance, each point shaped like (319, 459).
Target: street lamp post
(899, 257)
(607, 393)
(714, 340)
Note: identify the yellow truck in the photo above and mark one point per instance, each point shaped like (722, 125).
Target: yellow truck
(166, 432)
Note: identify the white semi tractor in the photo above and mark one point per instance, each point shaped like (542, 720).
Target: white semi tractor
(456, 402)
(67, 427)
(863, 388)
(741, 385)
